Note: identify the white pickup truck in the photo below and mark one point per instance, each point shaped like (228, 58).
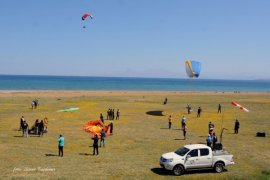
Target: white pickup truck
(195, 157)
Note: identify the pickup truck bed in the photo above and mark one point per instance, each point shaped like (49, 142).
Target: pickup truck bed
(220, 153)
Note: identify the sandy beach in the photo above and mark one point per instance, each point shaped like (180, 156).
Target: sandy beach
(59, 93)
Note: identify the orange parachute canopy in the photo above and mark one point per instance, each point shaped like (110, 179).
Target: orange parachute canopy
(95, 127)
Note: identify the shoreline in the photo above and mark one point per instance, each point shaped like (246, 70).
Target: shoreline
(76, 93)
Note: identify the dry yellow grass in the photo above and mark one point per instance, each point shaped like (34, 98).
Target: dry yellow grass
(133, 151)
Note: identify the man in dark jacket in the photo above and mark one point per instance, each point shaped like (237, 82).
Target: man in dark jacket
(102, 137)
(219, 109)
(111, 127)
(236, 126)
(95, 144)
(21, 122)
(41, 128)
(199, 112)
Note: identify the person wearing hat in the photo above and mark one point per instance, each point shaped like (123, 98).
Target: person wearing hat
(61, 142)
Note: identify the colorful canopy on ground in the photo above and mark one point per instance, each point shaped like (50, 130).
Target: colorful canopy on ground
(69, 109)
(95, 127)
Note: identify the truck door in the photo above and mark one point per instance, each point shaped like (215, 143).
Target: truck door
(192, 159)
(205, 158)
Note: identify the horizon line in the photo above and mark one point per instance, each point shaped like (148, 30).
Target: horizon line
(97, 76)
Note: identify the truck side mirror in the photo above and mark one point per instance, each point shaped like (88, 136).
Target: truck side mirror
(188, 156)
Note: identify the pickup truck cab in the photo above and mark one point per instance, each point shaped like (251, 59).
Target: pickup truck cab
(195, 157)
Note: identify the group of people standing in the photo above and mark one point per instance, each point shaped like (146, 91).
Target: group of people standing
(212, 139)
(38, 128)
(111, 114)
(96, 139)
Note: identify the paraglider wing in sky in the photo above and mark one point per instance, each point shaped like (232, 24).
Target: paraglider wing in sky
(193, 68)
(84, 16)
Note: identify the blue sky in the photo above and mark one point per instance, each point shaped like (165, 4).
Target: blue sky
(142, 38)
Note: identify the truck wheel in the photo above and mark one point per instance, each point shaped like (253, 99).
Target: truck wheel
(178, 170)
(219, 167)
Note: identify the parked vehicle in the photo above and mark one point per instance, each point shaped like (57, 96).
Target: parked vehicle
(195, 157)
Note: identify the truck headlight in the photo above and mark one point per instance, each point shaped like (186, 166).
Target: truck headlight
(170, 160)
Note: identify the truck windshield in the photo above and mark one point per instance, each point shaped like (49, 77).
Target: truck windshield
(182, 151)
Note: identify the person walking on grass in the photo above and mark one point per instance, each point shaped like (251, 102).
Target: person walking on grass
(25, 129)
(113, 114)
(101, 117)
(165, 101)
(111, 127)
(117, 114)
(219, 109)
(61, 143)
(184, 132)
(102, 137)
(95, 144)
(199, 112)
(189, 108)
(184, 121)
(108, 114)
(170, 121)
(21, 122)
(236, 126)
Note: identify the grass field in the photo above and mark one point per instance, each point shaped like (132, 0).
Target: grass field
(139, 139)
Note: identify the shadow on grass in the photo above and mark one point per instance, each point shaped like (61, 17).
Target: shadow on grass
(178, 129)
(164, 172)
(203, 136)
(155, 113)
(51, 155)
(204, 171)
(179, 139)
(18, 136)
(86, 154)
(35, 136)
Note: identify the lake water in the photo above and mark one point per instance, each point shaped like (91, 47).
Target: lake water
(19, 82)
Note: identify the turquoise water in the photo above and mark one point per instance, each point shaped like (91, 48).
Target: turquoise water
(17, 82)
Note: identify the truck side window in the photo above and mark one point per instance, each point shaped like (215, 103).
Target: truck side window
(193, 153)
(204, 152)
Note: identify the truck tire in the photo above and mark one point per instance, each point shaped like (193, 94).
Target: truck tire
(219, 167)
(178, 170)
